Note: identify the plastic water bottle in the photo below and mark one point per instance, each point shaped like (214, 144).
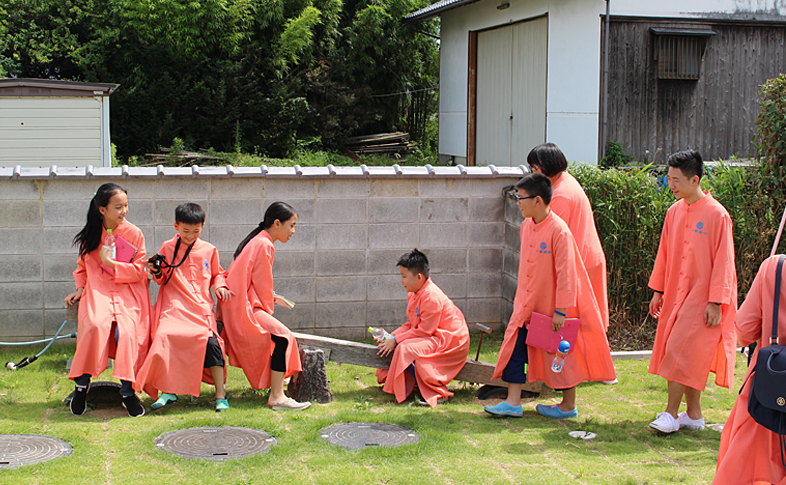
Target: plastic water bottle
(109, 242)
(379, 334)
(559, 360)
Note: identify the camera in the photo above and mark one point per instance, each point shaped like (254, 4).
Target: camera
(157, 261)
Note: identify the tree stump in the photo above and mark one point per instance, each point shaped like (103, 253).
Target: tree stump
(312, 383)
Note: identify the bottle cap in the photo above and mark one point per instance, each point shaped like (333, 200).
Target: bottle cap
(564, 347)
(370, 329)
(109, 231)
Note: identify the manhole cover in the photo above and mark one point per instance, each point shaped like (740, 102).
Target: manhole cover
(215, 443)
(355, 436)
(101, 394)
(28, 449)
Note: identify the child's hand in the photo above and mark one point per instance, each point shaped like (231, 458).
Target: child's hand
(74, 297)
(105, 253)
(224, 294)
(280, 300)
(656, 304)
(557, 322)
(712, 315)
(386, 347)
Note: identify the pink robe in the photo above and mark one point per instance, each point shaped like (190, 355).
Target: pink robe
(571, 204)
(552, 275)
(248, 317)
(122, 298)
(695, 266)
(750, 453)
(435, 338)
(182, 322)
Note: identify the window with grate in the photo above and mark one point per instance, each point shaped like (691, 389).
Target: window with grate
(679, 53)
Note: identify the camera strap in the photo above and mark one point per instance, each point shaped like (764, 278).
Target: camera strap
(173, 267)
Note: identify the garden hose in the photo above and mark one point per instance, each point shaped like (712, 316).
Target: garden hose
(29, 360)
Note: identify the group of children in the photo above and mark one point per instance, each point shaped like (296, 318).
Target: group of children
(562, 274)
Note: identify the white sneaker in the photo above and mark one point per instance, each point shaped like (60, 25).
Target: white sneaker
(610, 383)
(665, 423)
(685, 422)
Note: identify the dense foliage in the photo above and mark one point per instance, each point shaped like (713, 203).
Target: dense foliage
(258, 76)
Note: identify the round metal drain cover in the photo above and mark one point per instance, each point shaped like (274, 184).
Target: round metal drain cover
(28, 449)
(355, 436)
(101, 394)
(215, 443)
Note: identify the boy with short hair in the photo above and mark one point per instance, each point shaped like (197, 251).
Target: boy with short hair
(695, 296)
(431, 348)
(186, 348)
(552, 281)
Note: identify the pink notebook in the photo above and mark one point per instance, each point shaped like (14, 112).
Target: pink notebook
(125, 253)
(540, 335)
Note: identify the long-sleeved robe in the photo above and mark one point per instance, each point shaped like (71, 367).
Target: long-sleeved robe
(122, 298)
(695, 266)
(435, 338)
(182, 321)
(571, 204)
(552, 275)
(248, 317)
(749, 452)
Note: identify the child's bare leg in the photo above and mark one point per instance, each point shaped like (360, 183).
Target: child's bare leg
(568, 400)
(676, 391)
(514, 394)
(276, 387)
(693, 400)
(218, 378)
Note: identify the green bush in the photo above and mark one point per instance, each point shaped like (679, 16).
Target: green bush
(771, 133)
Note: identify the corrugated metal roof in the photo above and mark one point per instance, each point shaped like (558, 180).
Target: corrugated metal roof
(435, 9)
(33, 86)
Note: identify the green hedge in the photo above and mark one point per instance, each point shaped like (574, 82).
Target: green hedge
(630, 207)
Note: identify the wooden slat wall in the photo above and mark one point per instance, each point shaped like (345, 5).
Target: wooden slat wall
(715, 114)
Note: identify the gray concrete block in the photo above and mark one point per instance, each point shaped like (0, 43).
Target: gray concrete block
(346, 333)
(509, 287)
(510, 265)
(21, 241)
(148, 232)
(304, 239)
(487, 234)
(22, 325)
(333, 263)
(342, 236)
(512, 213)
(485, 260)
(341, 211)
(383, 261)
(294, 263)
(226, 259)
(285, 189)
(227, 238)
(182, 190)
(82, 190)
(236, 188)
(446, 260)
(393, 236)
(443, 235)
(484, 310)
(342, 188)
(299, 319)
(299, 290)
(161, 234)
(140, 212)
(21, 213)
(507, 311)
(235, 211)
(59, 213)
(20, 268)
(393, 188)
(389, 209)
(305, 209)
(137, 188)
(453, 285)
(386, 287)
(164, 209)
(512, 237)
(21, 296)
(485, 285)
(444, 210)
(444, 187)
(389, 315)
(52, 321)
(341, 315)
(59, 267)
(490, 187)
(55, 292)
(486, 209)
(341, 288)
(20, 189)
(59, 240)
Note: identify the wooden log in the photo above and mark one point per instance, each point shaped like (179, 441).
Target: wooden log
(312, 383)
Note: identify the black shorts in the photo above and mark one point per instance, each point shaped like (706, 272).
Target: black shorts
(213, 355)
(516, 370)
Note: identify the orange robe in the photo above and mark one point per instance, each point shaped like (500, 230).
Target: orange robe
(248, 317)
(435, 338)
(695, 266)
(182, 322)
(750, 453)
(122, 298)
(571, 204)
(552, 275)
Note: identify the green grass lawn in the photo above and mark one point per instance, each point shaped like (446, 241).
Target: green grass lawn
(459, 443)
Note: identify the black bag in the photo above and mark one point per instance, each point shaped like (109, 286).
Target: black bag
(767, 401)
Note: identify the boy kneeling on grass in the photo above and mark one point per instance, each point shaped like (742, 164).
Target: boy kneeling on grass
(552, 281)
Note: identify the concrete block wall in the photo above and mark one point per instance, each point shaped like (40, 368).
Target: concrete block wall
(339, 267)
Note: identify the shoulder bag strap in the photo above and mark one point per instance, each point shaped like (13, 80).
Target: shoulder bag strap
(776, 303)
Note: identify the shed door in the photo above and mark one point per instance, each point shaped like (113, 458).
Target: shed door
(511, 92)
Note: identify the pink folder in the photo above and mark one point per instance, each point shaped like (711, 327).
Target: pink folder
(540, 335)
(125, 253)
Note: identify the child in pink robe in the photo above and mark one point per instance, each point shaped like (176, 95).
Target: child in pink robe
(186, 348)
(552, 281)
(262, 346)
(750, 453)
(695, 296)
(114, 301)
(431, 348)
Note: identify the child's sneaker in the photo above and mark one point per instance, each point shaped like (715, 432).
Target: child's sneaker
(288, 404)
(133, 406)
(221, 405)
(665, 423)
(79, 400)
(693, 424)
(162, 401)
(505, 409)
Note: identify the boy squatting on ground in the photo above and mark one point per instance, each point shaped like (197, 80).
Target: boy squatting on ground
(430, 349)
(695, 299)
(552, 281)
(186, 348)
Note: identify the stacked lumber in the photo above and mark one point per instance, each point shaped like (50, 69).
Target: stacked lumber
(181, 159)
(396, 142)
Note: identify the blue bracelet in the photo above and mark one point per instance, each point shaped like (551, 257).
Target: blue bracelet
(559, 313)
